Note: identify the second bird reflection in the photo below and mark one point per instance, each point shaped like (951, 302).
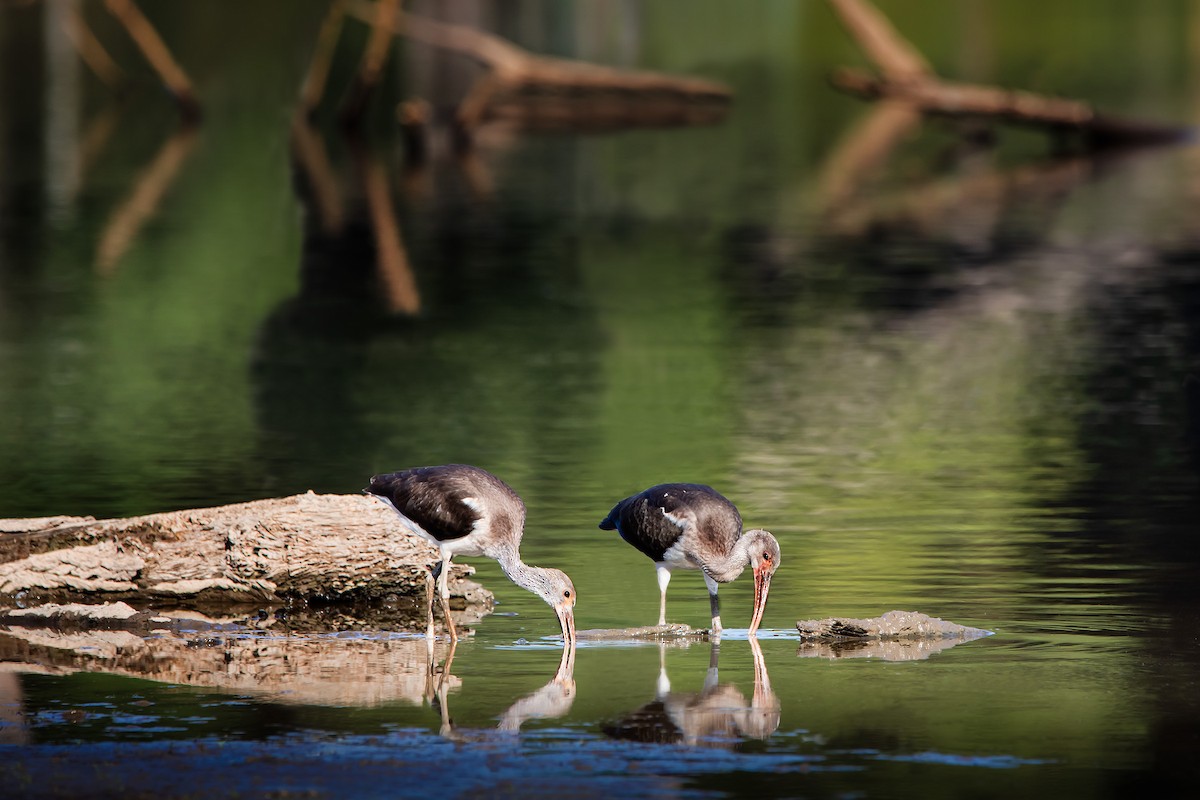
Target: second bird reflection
(718, 715)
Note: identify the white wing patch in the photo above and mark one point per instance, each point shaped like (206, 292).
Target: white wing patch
(408, 523)
(676, 557)
(468, 545)
(679, 522)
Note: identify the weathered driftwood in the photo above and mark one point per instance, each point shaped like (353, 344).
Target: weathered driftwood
(159, 55)
(307, 547)
(905, 76)
(880, 42)
(557, 92)
(951, 99)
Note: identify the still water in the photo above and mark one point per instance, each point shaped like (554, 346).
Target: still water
(966, 384)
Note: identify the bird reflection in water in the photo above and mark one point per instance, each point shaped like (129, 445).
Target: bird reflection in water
(549, 702)
(718, 715)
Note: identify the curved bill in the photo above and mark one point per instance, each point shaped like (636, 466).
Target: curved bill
(566, 619)
(762, 585)
(566, 666)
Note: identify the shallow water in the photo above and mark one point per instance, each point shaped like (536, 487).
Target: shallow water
(970, 391)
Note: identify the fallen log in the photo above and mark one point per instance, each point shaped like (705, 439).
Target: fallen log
(906, 77)
(306, 547)
(941, 98)
(554, 92)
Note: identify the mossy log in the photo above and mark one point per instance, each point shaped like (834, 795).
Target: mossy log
(308, 547)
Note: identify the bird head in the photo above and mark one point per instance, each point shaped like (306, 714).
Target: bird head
(763, 549)
(559, 593)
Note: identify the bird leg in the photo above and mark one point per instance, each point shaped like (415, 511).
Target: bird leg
(446, 664)
(435, 689)
(443, 701)
(712, 677)
(664, 578)
(714, 603)
(429, 590)
(444, 594)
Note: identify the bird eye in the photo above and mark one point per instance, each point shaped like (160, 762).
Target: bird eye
(567, 593)
(766, 556)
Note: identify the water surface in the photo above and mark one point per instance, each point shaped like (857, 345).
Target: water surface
(968, 388)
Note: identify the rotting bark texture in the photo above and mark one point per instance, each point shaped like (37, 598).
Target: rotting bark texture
(308, 546)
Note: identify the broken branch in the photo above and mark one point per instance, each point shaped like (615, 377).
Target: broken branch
(906, 77)
(512, 69)
(158, 54)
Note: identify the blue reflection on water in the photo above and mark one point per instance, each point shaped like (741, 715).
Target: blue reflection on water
(956, 760)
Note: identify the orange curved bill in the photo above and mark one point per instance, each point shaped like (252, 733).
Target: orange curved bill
(566, 619)
(762, 585)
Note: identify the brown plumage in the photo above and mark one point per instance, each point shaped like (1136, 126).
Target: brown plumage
(468, 511)
(691, 526)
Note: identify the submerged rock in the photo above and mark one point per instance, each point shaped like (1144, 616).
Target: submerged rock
(892, 625)
(894, 636)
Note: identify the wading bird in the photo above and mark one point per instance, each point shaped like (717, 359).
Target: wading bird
(467, 511)
(689, 526)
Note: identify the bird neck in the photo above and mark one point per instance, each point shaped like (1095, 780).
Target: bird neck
(527, 577)
(727, 569)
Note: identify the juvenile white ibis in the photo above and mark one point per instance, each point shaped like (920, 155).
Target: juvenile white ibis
(690, 526)
(468, 511)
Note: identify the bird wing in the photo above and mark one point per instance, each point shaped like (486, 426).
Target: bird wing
(654, 520)
(438, 500)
